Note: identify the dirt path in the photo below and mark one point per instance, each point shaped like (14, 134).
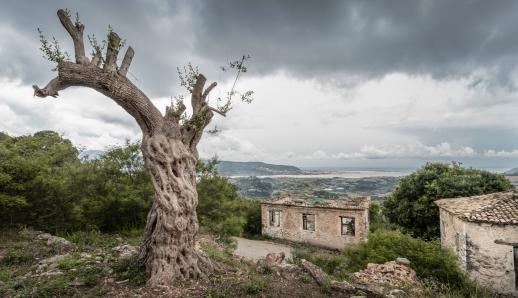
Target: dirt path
(256, 249)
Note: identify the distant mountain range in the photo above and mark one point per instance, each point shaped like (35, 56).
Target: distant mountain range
(512, 172)
(230, 168)
(254, 168)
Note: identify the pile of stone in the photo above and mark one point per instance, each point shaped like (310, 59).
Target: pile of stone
(391, 279)
(61, 245)
(393, 274)
(276, 263)
(125, 251)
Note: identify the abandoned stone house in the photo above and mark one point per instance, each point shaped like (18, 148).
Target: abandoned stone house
(483, 232)
(323, 222)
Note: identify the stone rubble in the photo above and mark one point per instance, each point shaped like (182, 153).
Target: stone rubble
(125, 251)
(62, 245)
(275, 258)
(393, 274)
(378, 280)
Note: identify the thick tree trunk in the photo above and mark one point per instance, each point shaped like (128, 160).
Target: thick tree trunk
(169, 248)
(169, 150)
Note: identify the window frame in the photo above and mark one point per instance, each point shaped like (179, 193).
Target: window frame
(351, 224)
(272, 213)
(305, 222)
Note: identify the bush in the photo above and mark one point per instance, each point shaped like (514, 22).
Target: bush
(428, 259)
(128, 268)
(256, 285)
(220, 210)
(14, 257)
(44, 184)
(411, 204)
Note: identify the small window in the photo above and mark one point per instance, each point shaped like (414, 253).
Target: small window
(347, 224)
(308, 222)
(275, 218)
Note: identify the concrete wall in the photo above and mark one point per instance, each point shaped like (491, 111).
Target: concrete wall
(327, 225)
(488, 263)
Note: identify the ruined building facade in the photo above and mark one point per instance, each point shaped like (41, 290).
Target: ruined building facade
(483, 233)
(327, 223)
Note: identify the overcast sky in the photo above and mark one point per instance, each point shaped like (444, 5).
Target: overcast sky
(337, 83)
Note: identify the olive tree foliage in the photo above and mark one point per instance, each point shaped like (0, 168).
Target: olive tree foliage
(169, 144)
(411, 204)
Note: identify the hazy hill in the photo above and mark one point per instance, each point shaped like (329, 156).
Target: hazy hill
(512, 172)
(254, 168)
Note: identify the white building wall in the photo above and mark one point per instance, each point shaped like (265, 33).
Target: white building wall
(488, 263)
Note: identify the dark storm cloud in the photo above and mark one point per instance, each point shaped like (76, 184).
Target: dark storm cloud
(157, 30)
(367, 38)
(323, 39)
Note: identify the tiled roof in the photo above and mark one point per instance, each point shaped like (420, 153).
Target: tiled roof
(357, 203)
(497, 208)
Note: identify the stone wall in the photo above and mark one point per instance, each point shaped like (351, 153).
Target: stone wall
(327, 225)
(488, 263)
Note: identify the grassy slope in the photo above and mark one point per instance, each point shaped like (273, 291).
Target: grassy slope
(103, 275)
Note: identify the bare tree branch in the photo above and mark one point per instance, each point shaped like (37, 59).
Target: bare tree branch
(116, 87)
(218, 111)
(76, 32)
(112, 51)
(208, 90)
(96, 60)
(197, 99)
(126, 61)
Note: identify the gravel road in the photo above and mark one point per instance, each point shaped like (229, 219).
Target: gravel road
(256, 249)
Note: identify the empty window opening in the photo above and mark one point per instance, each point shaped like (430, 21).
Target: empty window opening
(275, 218)
(347, 225)
(308, 222)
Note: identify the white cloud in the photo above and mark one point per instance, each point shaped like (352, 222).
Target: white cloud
(291, 120)
(502, 153)
(415, 150)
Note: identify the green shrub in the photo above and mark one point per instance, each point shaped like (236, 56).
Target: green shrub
(428, 259)
(128, 268)
(69, 262)
(220, 211)
(90, 238)
(255, 285)
(90, 275)
(15, 257)
(216, 254)
(331, 264)
(55, 286)
(411, 204)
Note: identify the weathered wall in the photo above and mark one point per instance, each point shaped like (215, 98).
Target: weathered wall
(486, 262)
(327, 225)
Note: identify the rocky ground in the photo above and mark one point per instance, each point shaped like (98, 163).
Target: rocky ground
(36, 264)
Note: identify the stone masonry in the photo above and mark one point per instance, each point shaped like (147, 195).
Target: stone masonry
(327, 223)
(483, 233)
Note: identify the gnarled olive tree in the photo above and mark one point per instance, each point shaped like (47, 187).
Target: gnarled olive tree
(168, 146)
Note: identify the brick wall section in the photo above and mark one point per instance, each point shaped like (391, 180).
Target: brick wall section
(327, 225)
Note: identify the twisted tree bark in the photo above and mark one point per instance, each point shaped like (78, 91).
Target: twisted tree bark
(169, 150)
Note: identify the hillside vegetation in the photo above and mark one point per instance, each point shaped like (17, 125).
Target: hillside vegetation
(44, 185)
